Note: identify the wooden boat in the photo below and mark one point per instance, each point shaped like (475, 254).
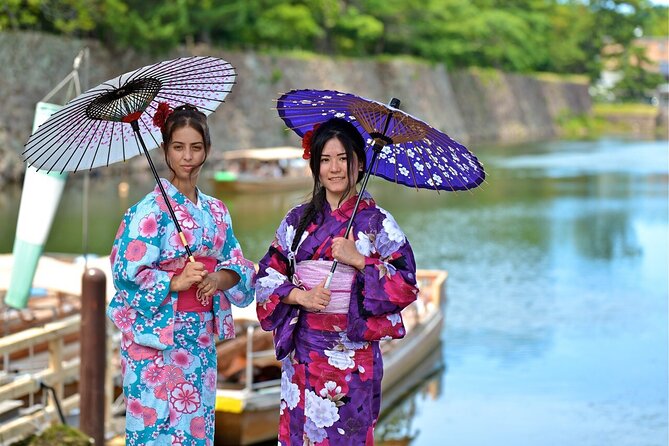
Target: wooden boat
(262, 170)
(247, 400)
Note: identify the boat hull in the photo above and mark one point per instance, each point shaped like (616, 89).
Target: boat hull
(245, 418)
(246, 428)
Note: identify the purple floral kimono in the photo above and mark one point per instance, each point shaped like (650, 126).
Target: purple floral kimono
(331, 363)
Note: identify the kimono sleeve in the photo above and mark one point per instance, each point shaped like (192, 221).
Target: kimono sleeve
(232, 258)
(273, 284)
(385, 286)
(389, 275)
(135, 259)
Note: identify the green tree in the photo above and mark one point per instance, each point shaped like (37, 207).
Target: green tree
(657, 23)
(356, 32)
(288, 26)
(514, 35)
(568, 37)
(19, 14)
(70, 17)
(637, 81)
(614, 23)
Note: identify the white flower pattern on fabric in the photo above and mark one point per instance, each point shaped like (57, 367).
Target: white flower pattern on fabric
(285, 235)
(330, 388)
(394, 318)
(392, 228)
(391, 238)
(364, 244)
(266, 285)
(351, 345)
(342, 359)
(313, 433)
(289, 392)
(321, 411)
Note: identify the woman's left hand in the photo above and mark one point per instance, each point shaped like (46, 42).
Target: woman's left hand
(208, 286)
(344, 251)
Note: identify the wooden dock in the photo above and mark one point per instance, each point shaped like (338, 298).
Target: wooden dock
(39, 346)
(46, 351)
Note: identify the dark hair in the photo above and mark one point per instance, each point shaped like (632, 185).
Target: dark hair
(186, 116)
(353, 143)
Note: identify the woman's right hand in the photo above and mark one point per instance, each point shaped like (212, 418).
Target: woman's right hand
(193, 272)
(315, 299)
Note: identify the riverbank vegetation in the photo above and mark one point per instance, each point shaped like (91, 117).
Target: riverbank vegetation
(632, 119)
(552, 40)
(560, 36)
(59, 434)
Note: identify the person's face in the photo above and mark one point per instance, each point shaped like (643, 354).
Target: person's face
(185, 153)
(333, 170)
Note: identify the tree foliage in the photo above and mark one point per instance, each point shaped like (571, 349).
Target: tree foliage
(636, 82)
(563, 36)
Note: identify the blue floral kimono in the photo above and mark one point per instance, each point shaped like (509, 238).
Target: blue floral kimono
(168, 357)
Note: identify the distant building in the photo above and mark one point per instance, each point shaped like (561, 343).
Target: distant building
(657, 53)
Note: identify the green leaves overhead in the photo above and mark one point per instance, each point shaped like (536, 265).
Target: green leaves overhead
(513, 35)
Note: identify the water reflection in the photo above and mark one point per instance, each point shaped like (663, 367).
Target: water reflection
(399, 412)
(606, 235)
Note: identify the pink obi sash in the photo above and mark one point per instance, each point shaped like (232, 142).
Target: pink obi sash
(187, 300)
(312, 272)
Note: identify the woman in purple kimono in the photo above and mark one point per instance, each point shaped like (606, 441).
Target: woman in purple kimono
(169, 309)
(328, 339)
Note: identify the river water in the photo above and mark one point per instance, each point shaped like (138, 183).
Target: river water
(556, 322)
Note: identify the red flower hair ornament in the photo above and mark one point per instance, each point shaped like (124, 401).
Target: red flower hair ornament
(160, 117)
(306, 141)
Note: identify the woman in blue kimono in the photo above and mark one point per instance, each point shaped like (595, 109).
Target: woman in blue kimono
(169, 309)
(328, 339)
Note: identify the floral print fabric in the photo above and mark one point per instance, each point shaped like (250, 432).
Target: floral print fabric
(331, 363)
(147, 252)
(168, 356)
(330, 386)
(171, 394)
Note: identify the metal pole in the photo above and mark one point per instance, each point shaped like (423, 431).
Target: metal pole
(93, 355)
(249, 359)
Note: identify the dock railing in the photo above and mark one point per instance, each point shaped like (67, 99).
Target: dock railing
(24, 379)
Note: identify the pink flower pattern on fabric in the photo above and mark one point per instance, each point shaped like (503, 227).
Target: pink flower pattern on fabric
(148, 226)
(175, 239)
(181, 358)
(185, 398)
(136, 250)
(124, 317)
(218, 212)
(185, 219)
(168, 362)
